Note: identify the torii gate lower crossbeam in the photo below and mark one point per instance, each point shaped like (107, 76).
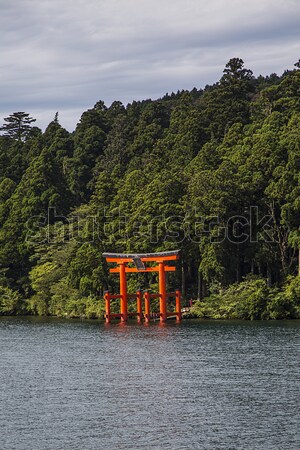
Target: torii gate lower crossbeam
(122, 268)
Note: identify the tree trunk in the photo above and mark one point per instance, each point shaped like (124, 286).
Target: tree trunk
(203, 288)
(183, 280)
(238, 266)
(260, 270)
(269, 276)
(200, 286)
(252, 267)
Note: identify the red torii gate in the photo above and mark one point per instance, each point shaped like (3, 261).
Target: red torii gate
(139, 259)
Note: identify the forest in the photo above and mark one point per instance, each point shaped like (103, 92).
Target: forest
(214, 172)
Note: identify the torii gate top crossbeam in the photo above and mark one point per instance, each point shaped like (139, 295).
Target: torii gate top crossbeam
(129, 257)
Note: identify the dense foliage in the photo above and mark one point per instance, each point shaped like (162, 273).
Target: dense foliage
(214, 172)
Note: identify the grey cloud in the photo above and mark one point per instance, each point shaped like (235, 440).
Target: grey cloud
(67, 55)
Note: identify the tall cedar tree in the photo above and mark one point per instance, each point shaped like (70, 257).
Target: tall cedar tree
(18, 126)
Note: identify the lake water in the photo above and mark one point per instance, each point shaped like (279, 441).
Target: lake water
(197, 385)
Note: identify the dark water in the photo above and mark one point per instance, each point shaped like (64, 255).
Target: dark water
(197, 385)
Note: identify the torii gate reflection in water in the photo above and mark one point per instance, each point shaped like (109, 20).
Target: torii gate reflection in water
(139, 259)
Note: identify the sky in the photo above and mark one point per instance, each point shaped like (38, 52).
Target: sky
(65, 55)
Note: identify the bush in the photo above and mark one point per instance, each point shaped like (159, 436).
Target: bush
(85, 307)
(38, 305)
(10, 301)
(246, 300)
(286, 304)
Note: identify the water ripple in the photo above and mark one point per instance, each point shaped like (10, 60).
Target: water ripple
(197, 385)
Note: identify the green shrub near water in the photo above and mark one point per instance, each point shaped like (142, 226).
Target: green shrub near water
(56, 296)
(252, 299)
(286, 303)
(70, 304)
(10, 301)
(85, 307)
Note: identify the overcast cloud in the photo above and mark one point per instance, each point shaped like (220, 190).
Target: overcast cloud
(65, 55)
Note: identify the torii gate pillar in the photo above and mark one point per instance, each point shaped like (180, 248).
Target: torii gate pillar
(123, 293)
(162, 292)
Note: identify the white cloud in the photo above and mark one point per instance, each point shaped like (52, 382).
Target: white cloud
(66, 55)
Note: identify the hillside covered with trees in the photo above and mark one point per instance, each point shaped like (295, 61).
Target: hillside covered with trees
(213, 171)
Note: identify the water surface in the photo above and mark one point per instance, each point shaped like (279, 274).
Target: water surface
(198, 385)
